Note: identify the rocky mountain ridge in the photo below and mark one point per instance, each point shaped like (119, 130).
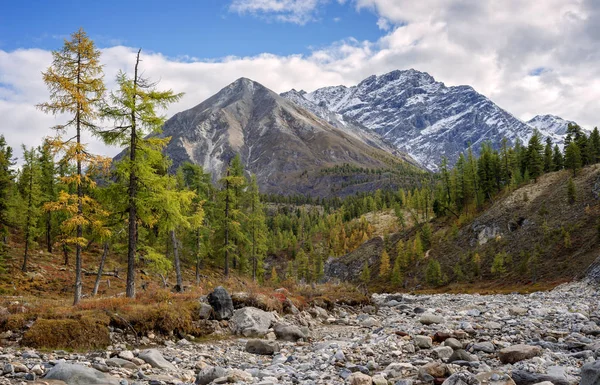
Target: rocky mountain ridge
(424, 117)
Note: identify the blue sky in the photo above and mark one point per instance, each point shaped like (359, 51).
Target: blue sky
(203, 29)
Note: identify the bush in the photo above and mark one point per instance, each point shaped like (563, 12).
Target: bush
(77, 334)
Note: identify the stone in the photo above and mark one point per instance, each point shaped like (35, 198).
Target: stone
(251, 322)
(75, 374)
(443, 352)
(155, 359)
(523, 377)
(453, 343)
(433, 369)
(494, 378)
(205, 311)
(378, 379)
(220, 300)
(121, 363)
(517, 353)
(430, 319)
(262, 347)
(486, 347)
(290, 333)
(424, 342)
(461, 355)
(209, 374)
(461, 378)
(590, 373)
(518, 311)
(397, 369)
(359, 378)
(126, 355)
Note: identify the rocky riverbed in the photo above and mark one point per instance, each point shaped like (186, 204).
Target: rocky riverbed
(547, 337)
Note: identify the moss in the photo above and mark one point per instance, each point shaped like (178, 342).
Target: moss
(77, 334)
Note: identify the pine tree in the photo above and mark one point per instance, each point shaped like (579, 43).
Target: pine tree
(48, 189)
(557, 159)
(573, 158)
(230, 222)
(594, 141)
(29, 186)
(534, 159)
(498, 264)
(433, 274)
(257, 228)
(397, 272)
(76, 86)
(6, 182)
(548, 156)
(134, 110)
(384, 264)
(571, 192)
(426, 236)
(365, 275)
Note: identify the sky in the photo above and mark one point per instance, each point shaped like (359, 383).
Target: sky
(530, 57)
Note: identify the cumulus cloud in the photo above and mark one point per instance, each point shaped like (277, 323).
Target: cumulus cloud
(290, 11)
(529, 57)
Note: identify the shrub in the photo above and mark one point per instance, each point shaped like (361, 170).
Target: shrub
(78, 334)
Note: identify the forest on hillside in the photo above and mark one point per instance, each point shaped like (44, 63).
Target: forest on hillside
(66, 200)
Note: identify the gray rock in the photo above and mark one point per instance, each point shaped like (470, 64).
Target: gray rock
(517, 353)
(461, 355)
(251, 322)
(75, 374)
(430, 319)
(209, 374)
(523, 377)
(486, 347)
(443, 352)
(590, 373)
(453, 343)
(155, 359)
(462, 378)
(424, 342)
(205, 311)
(288, 332)
(262, 347)
(221, 302)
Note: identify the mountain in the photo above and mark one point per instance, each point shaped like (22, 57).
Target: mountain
(551, 124)
(290, 150)
(419, 115)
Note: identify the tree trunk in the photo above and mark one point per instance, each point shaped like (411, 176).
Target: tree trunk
(132, 191)
(198, 243)
(65, 253)
(227, 225)
(49, 232)
(78, 283)
(28, 223)
(100, 268)
(179, 286)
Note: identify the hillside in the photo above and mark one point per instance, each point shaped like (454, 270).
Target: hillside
(533, 233)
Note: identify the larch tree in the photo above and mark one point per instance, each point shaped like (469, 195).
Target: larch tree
(76, 85)
(384, 264)
(48, 189)
(29, 187)
(134, 109)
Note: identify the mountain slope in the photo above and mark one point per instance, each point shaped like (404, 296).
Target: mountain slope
(550, 123)
(286, 146)
(419, 115)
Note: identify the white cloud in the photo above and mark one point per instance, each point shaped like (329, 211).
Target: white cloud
(529, 57)
(290, 11)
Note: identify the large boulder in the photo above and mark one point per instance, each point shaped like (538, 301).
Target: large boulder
(523, 377)
(359, 378)
(263, 347)
(251, 322)
(221, 302)
(430, 319)
(290, 333)
(74, 374)
(517, 353)
(155, 359)
(590, 373)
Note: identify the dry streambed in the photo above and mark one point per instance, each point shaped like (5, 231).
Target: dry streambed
(547, 337)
